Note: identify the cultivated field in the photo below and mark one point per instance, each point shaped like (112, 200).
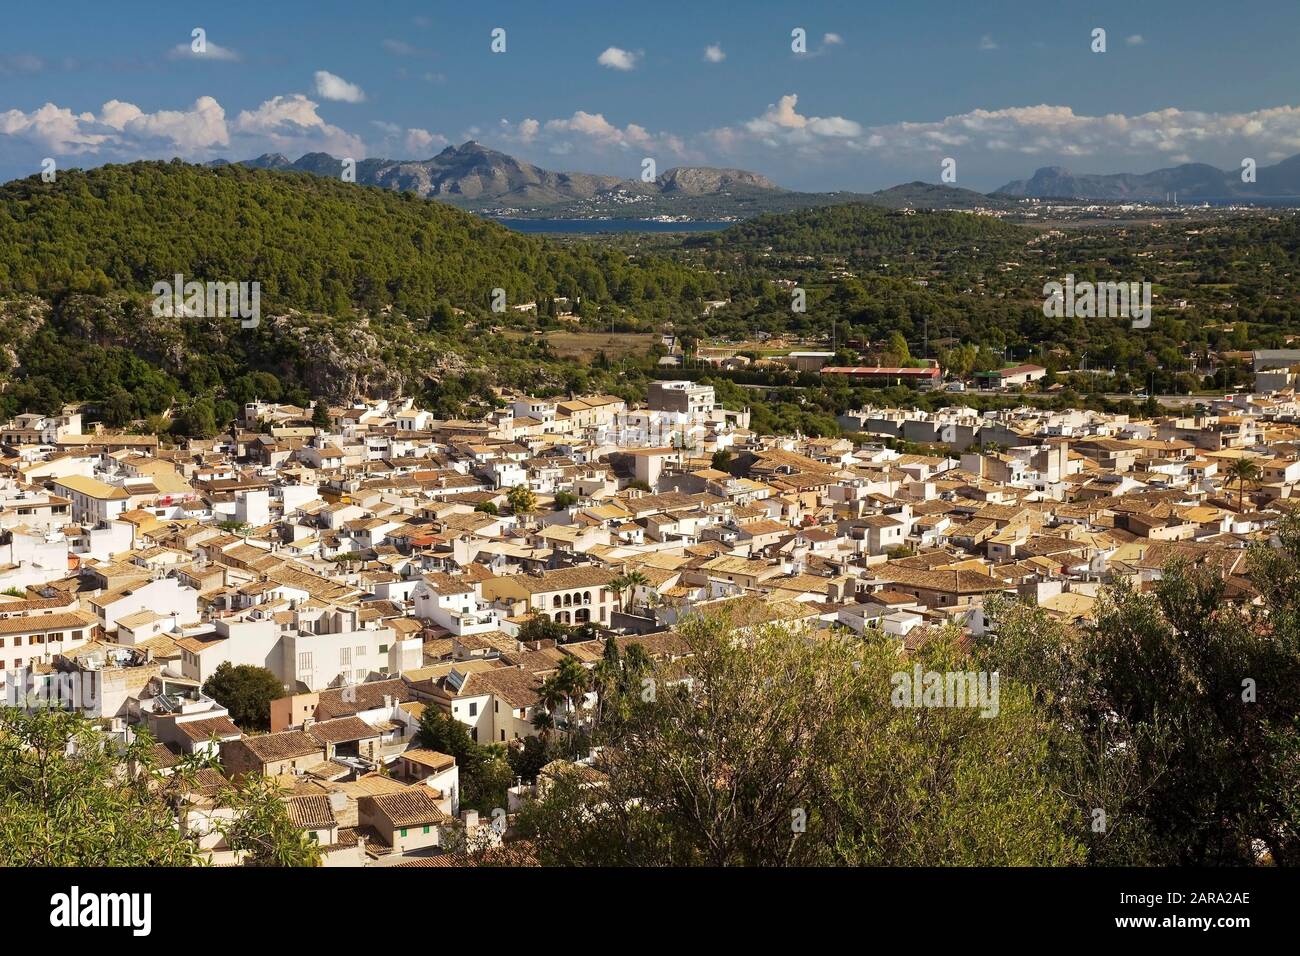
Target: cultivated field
(585, 346)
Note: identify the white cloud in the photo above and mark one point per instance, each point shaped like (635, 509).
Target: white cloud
(421, 140)
(121, 130)
(192, 131)
(832, 39)
(782, 123)
(55, 129)
(399, 48)
(590, 131)
(332, 87)
(212, 51)
(1168, 135)
(617, 59)
(1135, 40)
(1058, 130)
(988, 43)
(713, 53)
(291, 124)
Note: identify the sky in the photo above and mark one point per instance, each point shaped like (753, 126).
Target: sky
(880, 93)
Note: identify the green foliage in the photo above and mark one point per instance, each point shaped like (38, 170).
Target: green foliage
(261, 832)
(863, 231)
(484, 771)
(1176, 716)
(69, 797)
(313, 243)
(530, 757)
(320, 415)
(784, 751)
(198, 420)
(246, 691)
(72, 796)
(522, 500)
(539, 627)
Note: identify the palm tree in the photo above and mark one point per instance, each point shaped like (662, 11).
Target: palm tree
(543, 723)
(605, 678)
(549, 697)
(574, 681)
(1242, 471)
(634, 580)
(618, 585)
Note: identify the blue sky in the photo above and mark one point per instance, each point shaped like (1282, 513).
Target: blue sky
(884, 92)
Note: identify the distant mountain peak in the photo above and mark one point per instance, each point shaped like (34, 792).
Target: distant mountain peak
(477, 175)
(1189, 181)
(706, 179)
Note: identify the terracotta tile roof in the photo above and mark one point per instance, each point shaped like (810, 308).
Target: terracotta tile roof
(341, 730)
(205, 729)
(311, 812)
(410, 807)
(282, 746)
(367, 696)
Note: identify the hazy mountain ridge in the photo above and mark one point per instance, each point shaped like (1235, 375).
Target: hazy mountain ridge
(1191, 181)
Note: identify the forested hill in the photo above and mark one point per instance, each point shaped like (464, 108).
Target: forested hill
(362, 292)
(314, 244)
(861, 230)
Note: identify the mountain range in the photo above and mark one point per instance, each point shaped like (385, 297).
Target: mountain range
(1191, 181)
(478, 179)
(475, 178)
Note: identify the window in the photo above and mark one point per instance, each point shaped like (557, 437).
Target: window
(473, 734)
(383, 648)
(426, 829)
(503, 735)
(304, 661)
(473, 709)
(345, 657)
(496, 706)
(361, 650)
(403, 832)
